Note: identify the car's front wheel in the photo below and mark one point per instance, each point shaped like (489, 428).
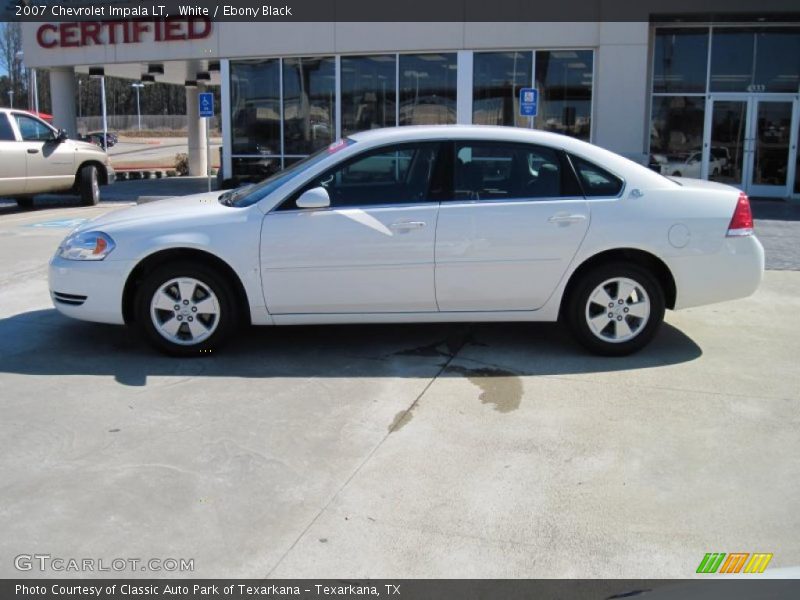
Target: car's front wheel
(615, 309)
(185, 309)
(89, 185)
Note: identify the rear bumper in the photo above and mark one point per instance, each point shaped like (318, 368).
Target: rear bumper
(88, 290)
(733, 272)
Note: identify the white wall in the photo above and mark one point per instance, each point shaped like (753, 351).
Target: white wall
(620, 119)
(620, 74)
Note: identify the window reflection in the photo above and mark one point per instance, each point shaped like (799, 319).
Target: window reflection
(680, 60)
(564, 81)
(497, 79)
(427, 89)
(778, 60)
(755, 60)
(732, 60)
(773, 129)
(368, 92)
(676, 135)
(255, 107)
(309, 95)
(726, 155)
(255, 169)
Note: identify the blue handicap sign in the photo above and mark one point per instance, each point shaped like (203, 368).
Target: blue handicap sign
(528, 102)
(205, 101)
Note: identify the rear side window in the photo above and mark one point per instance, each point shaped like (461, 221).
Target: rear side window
(596, 181)
(6, 133)
(499, 171)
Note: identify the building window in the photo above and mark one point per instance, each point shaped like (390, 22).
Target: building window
(309, 101)
(676, 135)
(755, 60)
(564, 80)
(778, 60)
(255, 107)
(369, 92)
(680, 60)
(496, 81)
(732, 60)
(427, 89)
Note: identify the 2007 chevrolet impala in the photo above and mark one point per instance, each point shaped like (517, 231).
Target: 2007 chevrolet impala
(445, 223)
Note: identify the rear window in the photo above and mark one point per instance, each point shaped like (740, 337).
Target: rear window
(596, 181)
(6, 133)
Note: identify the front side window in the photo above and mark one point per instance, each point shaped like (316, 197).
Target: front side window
(491, 171)
(393, 175)
(595, 181)
(6, 133)
(33, 130)
(250, 194)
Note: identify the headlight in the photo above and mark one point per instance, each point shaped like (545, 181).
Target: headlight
(88, 245)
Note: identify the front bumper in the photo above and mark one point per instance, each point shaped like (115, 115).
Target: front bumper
(89, 290)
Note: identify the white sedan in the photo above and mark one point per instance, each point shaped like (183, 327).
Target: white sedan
(420, 224)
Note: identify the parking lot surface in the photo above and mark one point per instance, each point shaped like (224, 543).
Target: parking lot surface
(465, 450)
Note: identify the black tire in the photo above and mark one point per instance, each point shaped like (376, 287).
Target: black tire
(25, 202)
(89, 185)
(225, 323)
(578, 309)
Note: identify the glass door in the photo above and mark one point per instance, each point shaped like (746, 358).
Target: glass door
(750, 141)
(771, 148)
(725, 149)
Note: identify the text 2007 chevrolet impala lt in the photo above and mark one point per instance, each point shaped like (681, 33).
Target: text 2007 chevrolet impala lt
(413, 224)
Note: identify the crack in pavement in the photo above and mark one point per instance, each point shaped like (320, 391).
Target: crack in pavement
(455, 346)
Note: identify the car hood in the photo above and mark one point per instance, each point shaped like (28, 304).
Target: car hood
(177, 210)
(81, 145)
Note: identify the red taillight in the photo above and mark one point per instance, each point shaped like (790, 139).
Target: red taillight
(742, 220)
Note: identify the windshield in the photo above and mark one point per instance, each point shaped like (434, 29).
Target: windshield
(250, 194)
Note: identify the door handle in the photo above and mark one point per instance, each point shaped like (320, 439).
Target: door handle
(33, 150)
(406, 225)
(566, 218)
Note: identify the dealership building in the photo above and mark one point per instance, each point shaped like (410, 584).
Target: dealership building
(714, 98)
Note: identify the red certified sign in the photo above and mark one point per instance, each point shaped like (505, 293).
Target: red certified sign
(102, 33)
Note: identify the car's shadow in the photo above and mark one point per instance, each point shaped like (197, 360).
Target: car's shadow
(44, 342)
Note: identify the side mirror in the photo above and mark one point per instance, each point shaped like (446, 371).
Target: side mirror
(314, 198)
(61, 136)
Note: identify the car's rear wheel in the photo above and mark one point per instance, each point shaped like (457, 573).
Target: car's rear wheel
(185, 309)
(616, 309)
(25, 202)
(89, 185)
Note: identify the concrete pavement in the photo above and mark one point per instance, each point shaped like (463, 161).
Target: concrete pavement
(396, 451)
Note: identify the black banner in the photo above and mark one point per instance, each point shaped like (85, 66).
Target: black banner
(364, 589)
(407, 10)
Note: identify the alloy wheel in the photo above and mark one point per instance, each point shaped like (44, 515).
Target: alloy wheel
(185, 311)
(617, 310)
